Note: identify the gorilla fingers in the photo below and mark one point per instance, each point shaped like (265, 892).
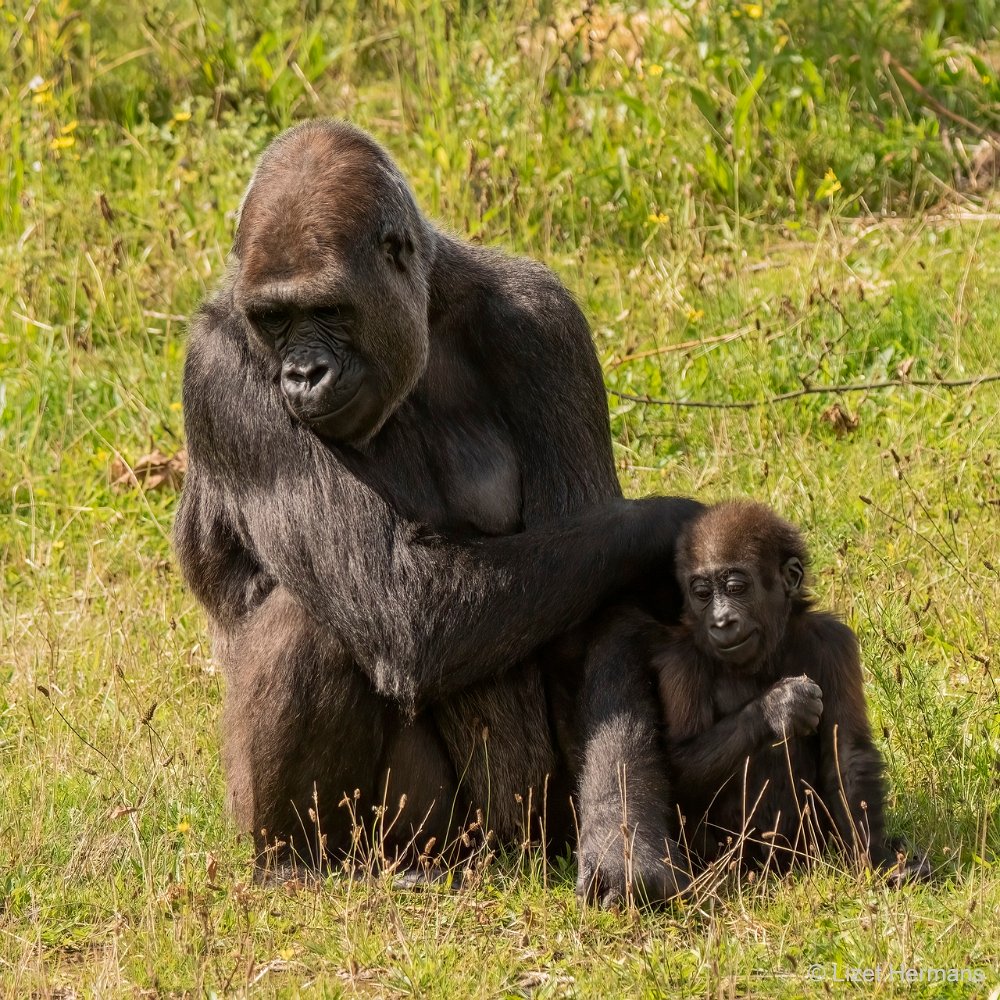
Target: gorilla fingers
(793, 706)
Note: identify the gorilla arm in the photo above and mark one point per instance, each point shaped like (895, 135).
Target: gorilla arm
(852, 772)
(422, 617)
(705, 753)
(624, 788)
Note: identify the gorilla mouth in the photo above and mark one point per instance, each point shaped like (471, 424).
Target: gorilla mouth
(337, 411)
(736, 647)
(354, 419)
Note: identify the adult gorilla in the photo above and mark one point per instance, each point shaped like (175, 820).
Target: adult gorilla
(401, 487)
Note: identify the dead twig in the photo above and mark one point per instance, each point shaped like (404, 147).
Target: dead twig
(929, 99)
(811, 390)
(722, 338)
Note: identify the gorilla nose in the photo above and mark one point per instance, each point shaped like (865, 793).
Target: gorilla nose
(306, 374)
(302, 376)
(721, 631)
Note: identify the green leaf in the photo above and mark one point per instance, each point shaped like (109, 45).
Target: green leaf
(741, 112)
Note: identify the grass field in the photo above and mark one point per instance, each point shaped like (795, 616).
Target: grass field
(742, 213)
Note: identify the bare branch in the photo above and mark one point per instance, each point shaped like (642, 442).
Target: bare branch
(722, 338)
(812, 390)
(930, 100)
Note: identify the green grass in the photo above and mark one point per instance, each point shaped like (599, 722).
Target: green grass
(682, 203)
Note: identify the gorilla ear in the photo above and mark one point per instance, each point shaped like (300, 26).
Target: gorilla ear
(793, 576)
(398, 248)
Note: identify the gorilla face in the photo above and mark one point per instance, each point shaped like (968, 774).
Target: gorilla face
(334, 262)
(742, 570)
(323, 379)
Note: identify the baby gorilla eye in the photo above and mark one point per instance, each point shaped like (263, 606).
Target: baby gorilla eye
(701, 590)
(735, 586)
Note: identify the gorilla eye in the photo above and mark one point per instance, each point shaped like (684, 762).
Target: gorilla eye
(333, 316)
(735, 586)
(271, 322)
(701, 590)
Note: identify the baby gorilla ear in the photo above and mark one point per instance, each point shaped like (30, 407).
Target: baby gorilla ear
(793, 576)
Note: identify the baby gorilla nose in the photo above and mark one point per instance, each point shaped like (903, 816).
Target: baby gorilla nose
(724, 632)
(724, 628)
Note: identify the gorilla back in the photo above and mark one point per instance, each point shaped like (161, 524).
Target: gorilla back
(400, 486)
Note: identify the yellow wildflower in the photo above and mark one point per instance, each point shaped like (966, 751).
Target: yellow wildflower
(183, 826)
(658, 218)
(828, 186)
(754, 11)
(62, 142)
(654, 69)
(69, 127)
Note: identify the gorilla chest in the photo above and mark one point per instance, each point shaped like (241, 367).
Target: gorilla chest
(455, 473)
(480, 482)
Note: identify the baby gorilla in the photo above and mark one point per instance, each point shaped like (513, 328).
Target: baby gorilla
(769, 751)
(768, 740)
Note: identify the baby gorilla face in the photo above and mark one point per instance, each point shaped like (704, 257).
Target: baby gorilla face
(725, 602)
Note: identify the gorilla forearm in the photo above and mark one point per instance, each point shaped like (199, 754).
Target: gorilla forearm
(710, 758)
(424, 618)
(624, 789)
(789, 708)
(623, 758)
(853, 789)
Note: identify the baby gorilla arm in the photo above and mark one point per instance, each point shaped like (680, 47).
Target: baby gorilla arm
(791, 707)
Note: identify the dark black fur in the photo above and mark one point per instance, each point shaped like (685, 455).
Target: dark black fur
(401, 486)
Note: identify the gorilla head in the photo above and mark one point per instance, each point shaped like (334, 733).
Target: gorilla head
(742, 571)
(332, 273)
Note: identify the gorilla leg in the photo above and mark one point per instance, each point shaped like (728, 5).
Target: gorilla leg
(302, 731)
(500, 738)
(421, 814)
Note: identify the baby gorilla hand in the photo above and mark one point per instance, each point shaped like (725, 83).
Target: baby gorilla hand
(793, 706)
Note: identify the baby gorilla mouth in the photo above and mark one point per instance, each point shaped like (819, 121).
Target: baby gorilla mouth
(736, 645)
